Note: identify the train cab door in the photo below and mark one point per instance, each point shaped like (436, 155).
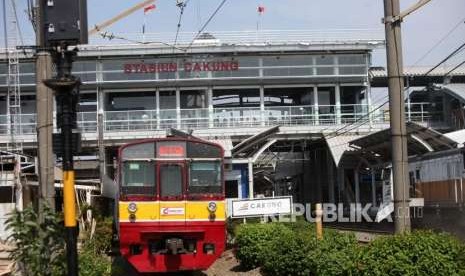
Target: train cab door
(172, 184)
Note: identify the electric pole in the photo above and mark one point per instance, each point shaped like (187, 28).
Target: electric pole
(44, 107)
(392, 21)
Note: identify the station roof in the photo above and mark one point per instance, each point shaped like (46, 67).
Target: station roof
(420, 140)
(416, 76)
(456, 90)
(255, 145)
(228, 42)
(338, 145)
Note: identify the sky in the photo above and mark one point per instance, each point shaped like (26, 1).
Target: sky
(420, 31)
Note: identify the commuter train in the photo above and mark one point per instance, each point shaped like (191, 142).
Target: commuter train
(171, 206)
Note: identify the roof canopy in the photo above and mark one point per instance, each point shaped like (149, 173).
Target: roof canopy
(376, 148)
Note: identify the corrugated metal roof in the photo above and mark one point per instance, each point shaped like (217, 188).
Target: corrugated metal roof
(457, 136)
(457, 90)
(380, 142)
(340, 144)
(379, 72)
(225, 143)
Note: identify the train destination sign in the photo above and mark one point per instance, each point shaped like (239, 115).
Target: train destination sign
(261, 207)
(207, 66)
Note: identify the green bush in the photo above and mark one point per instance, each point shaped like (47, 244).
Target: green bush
(418, 253)
(336, 254)
(292, 249)
(287, 254)
(93, 260)
(300, 253)
(39, 243)
(253, 240)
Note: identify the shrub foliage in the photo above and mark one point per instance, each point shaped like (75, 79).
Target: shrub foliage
(292, 249)
(40, 245)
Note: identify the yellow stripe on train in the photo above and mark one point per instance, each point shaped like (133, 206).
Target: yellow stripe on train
(170, 210)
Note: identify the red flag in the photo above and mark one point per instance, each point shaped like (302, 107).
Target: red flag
(261, 9)
(149, 8)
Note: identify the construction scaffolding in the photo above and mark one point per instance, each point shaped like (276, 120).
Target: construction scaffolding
(12, 40)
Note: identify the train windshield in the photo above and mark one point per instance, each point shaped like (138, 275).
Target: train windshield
(138, 178)
(171, 180)
(205, 177)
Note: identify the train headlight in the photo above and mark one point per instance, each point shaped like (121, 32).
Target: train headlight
(212, 207)
(132, 207)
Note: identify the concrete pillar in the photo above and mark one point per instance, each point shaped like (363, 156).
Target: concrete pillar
(373, 187)
(330, 167)
(157, 103)
(250, 164)
(19, 185)
(340, 182)
(369, 108)
(338, 103)
(262, 106)
(315, 105)
(210, 107)
(178, 108)
(100, 134)
(357, 186)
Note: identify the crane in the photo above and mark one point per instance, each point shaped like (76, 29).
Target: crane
(111, 21)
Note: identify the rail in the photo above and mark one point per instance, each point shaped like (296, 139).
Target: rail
(202, 118)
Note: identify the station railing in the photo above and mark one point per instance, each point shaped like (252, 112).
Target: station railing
(203, 118)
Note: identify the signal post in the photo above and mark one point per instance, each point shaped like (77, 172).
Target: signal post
(63, 24)
(65, 144)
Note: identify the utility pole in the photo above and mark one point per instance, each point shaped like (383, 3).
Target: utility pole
(392, 23)
(44, 107)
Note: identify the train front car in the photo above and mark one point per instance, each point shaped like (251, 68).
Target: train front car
(171, 204)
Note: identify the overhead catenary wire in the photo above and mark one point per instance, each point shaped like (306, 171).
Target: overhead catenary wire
(462, 21)
(111, 36)
(20, 33)
(456, 51)
(182, 5)
(206, 23)
(337, 132)
(455, 68)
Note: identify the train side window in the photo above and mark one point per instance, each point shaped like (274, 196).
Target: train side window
(205, 177)
(138, 178)
(170, 180)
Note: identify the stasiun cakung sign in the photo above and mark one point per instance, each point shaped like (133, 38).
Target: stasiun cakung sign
(211, 66)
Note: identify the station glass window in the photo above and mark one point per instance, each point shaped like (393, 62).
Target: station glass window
(167, 99)
(236, 98)
(193, 99)
(288, 96)
(288, 61)
(205, 177)
(326, 99)
(351, 59)
(131, 101)
(88, 102)
(85, 70)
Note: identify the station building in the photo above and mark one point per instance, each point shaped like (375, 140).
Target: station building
(284, 105)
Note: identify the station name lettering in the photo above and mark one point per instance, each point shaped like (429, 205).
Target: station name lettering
(261, 205)
(213, 66)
